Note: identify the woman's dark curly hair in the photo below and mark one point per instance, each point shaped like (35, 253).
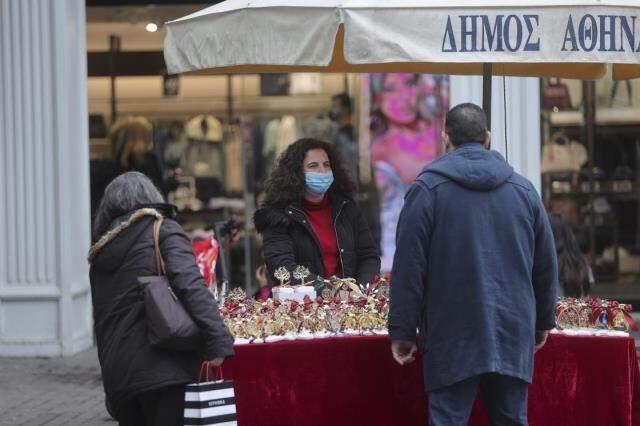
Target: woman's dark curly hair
(286, 183)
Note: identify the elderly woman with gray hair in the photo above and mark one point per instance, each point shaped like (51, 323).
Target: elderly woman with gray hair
(145, 385)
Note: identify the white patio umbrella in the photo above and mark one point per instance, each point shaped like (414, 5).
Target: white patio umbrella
(563, 38)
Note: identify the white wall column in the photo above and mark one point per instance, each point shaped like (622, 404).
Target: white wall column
(522, 112)
(45, 303)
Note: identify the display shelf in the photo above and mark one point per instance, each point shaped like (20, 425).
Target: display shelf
(619, 190)
(604, 117)
(610, 134)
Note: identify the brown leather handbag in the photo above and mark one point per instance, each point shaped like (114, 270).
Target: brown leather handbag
(169, 324)
(555, 94)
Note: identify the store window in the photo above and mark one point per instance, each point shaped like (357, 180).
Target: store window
(208, 142)
(591, 175)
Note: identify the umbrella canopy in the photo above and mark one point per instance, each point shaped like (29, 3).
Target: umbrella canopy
(563, 38)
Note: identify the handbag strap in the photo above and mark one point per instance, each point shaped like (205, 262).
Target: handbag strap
(156, 243)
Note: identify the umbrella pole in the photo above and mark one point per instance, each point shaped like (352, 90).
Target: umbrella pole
(487, 74)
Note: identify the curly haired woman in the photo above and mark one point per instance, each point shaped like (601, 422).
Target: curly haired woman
(309, 217)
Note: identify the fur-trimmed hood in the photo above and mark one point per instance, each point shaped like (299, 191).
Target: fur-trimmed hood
(125, 221)
(121, 224)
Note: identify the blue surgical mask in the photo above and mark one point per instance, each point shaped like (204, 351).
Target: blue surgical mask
(318, 183)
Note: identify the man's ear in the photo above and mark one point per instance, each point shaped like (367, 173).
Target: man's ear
(446, 140)
(487, 140)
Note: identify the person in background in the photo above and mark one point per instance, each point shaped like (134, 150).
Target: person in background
(309, 217)
(574, 274)
(145, 385)
(475, 270)
(341, 113)
(346, 144)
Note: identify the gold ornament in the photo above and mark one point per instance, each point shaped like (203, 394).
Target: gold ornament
(301, 273)
(282, 274)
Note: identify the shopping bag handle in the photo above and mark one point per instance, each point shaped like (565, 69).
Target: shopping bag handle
(206, 367)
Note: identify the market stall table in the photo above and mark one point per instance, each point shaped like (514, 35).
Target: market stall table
(354, 381)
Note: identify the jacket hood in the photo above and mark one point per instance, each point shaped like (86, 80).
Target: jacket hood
(473, 167)
(110, 250)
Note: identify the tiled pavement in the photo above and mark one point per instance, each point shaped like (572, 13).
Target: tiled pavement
(52, 391)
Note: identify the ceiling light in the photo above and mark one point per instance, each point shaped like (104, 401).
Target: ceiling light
(151, 27)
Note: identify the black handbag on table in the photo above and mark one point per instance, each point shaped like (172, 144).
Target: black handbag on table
(169, 324)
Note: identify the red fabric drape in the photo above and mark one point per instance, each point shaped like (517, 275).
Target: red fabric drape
(354, 381)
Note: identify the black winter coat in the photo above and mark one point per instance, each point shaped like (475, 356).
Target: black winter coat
(289, 239)
(130, 365)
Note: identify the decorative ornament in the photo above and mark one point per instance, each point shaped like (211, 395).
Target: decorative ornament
(283, 275)
(301, 273)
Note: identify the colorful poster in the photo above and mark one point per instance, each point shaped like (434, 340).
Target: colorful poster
(406, 117)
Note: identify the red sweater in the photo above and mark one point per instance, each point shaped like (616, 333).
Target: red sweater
(321, 218)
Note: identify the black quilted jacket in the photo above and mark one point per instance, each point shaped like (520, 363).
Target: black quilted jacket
(130, 365)
(289, 239)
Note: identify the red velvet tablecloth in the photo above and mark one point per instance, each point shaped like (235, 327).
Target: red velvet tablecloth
(354, 381)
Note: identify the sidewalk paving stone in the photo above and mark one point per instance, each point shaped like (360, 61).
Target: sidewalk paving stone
(52, 391)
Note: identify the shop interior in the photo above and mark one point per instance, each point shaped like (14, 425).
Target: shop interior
(211, 140)
(214, 139)
(591, 174)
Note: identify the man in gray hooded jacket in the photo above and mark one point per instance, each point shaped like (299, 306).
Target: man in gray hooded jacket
(475, 270)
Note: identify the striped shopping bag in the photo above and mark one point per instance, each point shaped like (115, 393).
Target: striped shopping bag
(210, 402)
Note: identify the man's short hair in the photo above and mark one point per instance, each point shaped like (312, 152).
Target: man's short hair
(344, 100)
(466, 123)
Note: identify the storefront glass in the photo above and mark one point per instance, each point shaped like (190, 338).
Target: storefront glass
(594, 184)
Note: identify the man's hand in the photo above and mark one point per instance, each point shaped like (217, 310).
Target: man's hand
(541, 339)
(403, 351)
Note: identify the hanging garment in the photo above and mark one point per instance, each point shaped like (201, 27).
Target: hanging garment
(205, 159)
(204, 127)
(234, 168)
(169, 144)
(287, 133)
(176, 151)
(205, 156)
